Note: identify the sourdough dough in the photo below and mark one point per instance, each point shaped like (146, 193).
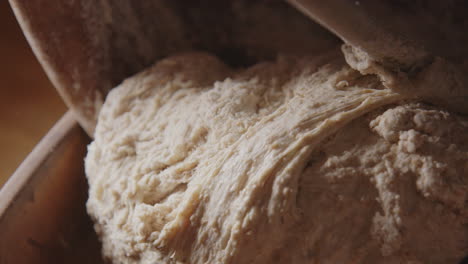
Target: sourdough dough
(302, 160)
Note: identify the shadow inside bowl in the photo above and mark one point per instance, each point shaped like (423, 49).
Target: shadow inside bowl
(43, 217)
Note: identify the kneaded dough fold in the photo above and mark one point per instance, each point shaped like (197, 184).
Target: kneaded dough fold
(301, 160)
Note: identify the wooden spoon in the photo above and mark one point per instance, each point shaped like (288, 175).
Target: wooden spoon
(356, 26)
(426, 65)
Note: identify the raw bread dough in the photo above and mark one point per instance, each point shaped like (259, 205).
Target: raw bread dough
(302, 160)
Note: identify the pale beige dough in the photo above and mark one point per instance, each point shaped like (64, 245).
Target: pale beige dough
(294, 161)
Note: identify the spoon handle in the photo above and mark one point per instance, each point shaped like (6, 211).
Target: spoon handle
(351, 22)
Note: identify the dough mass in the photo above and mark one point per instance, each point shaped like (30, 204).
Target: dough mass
(301, 160)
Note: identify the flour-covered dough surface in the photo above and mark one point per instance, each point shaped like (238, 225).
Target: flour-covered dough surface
(294, 161)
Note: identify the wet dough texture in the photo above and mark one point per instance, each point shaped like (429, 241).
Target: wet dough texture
(293, 161)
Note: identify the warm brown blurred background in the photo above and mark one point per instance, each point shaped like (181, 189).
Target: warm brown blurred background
(29, 104)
